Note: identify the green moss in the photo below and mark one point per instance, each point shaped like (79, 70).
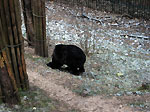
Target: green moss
(36, 100)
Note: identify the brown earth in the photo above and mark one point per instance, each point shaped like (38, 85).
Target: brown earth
(59, 85)
(56, 83)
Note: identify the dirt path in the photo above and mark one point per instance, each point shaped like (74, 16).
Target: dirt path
(86, 104)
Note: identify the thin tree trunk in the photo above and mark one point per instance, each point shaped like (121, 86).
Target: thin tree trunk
(35, 19)
(16, 41)
(45, 48)
(1, 96)
(41, 48)
(21, 48)
(28, 20)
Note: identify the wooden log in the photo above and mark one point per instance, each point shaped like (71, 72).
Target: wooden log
(1, 96)
(8, 93)
(28, 20)
(6, 54)
(8, 87)
(16, 42)
(35, 10)
(13, 39)
(10, 42)
(24, 76)
(45, 48)
(40, 28)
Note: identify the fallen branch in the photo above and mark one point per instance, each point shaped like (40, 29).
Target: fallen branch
(135, 36)
(126, 15)
(29, 42)
(87, 17)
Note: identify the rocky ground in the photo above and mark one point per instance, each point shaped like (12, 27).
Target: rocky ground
(117, 77)
(117, 47)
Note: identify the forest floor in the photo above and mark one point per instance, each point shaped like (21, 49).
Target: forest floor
(118, 61)
(117, 49)
(58, 85)
(52, 91)
(118, 64)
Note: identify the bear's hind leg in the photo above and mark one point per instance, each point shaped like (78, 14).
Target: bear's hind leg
(81, 69)
(74, 70)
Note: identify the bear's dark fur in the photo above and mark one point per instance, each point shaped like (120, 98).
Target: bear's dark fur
(70, 55)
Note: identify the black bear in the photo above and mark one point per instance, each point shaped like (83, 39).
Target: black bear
(70, 55)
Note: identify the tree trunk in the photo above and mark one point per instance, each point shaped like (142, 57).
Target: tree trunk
(41, 48)
(13, 73)
(9, 95)
(28, 20)
(8, 87)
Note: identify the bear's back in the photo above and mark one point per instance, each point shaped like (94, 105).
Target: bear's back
(69, 52)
